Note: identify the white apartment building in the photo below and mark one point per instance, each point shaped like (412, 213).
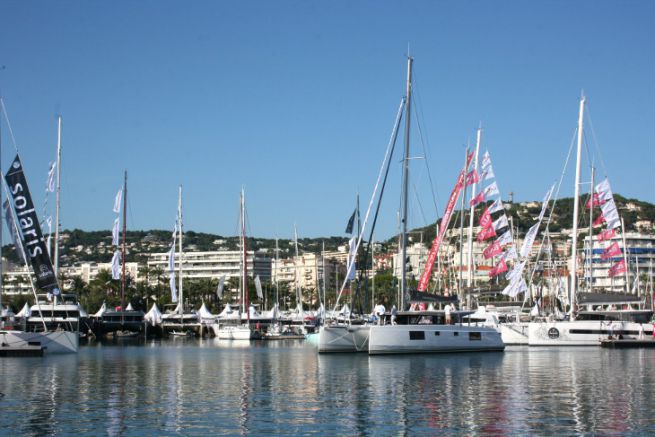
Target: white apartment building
(640, 256)
(213, 265)
(307, 271)
(17, 280)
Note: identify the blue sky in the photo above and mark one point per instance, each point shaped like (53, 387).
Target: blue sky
(295, 100)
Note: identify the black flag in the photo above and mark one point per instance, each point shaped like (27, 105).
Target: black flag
(351, 222)
(30, 230)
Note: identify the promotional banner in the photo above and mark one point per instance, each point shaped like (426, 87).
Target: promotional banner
(30, 230)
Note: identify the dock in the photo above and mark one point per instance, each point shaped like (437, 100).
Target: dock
(24, 351)
(627, 343)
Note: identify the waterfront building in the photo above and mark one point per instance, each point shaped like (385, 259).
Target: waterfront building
(213, 265)
(640, 256)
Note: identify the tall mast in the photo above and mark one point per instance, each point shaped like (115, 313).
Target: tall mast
(1, 212)
(124, 239)
(403, 219)
(56, 266)
(181, 260)
(576, 195)
(590, 287)
(469, 280)
(324, 279)
(244, 280)
(460, 282)
(277, 270)
(295, 269)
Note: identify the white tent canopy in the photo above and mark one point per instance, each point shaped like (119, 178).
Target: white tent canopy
(101, 311)
(25, 312)
(129, 307)
(153, 316)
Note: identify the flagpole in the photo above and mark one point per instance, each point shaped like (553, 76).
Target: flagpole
(574, 236)
(56, 266)
(460, 284)
(124, 243)
(625, 258)
(403, 252)
(179, 218)
(470, 279)
(591, 233)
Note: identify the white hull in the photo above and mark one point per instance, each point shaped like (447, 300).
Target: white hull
(343, 338)
(515, 333)
(399, 339)
(53, 342)
(580, 332)
(234, 333)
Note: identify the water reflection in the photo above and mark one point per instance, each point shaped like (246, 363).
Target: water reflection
(200, 387)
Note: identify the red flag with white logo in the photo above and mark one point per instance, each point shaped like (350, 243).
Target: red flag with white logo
(500, 268)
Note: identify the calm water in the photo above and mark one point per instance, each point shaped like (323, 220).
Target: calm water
(192, 387)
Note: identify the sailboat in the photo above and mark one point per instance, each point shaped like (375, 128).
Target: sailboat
(589, 328)
(123, 321)
(178, 320)
(52, 327)
(233, 328)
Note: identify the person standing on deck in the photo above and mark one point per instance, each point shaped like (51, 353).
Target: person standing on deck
(447, 309)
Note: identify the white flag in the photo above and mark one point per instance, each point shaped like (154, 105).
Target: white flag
(486, 161)
(491, 190)
(544, 205)
(258, 287)
(48, 222)
(509, 254)
(50, 184)
(117, 201)
(506, 238)
(488, 173)
(173, 289)
(611, 214)
(516, 272)
(500, 222)
(604, 190)
(171, 259)
(116, 265)
(529, 240)
(496, 206)
(115, 233)
(221, 285)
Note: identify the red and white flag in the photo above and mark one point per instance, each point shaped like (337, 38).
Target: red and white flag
(500, 268)
(492, 250)
(599, 220)
(597, 201)
(612, 250)
(491, 190)
(486, 233)
(487, 173)
(472, 178)
(477, 199)
(485, 219)
(617, 269)
(496, 206)
(607, 234)
(486, 161)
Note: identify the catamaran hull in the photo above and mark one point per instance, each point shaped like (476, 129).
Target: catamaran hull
(403, 339)
(53, 342)
(581, 332)
(343, 338)
(514, 333)
(235, 333)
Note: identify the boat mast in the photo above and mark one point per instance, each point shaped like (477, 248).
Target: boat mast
(469, 280)
(56, 266)
(181, 258)
(574, 239)
(277, 270)
(403, 219)
(460, 282)
(295, 269)
(124, 242)
(590, 286)
(244, 260)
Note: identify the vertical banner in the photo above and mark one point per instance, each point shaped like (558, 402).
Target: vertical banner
(450, 207)
(30, 230)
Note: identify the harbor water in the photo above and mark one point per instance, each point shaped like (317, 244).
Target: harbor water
(211, 387)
